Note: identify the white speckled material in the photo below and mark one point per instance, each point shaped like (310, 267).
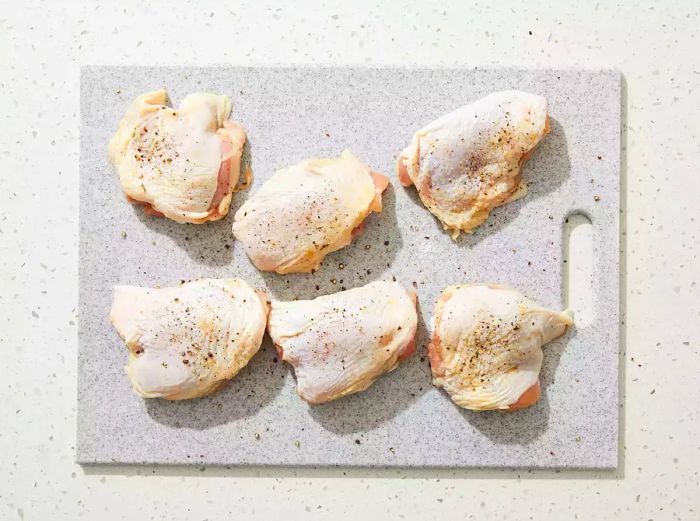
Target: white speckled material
(294, 113)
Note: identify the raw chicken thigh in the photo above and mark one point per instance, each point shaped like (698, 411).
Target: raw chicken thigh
(182, 163)
(306, 211)
(340, 344)
(467, 162)
(486, 347)
(186, 342)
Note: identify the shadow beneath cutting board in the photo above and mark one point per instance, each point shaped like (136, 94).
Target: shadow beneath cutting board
(310, 472)
(545, 171)
(253, 388)
(622, 369)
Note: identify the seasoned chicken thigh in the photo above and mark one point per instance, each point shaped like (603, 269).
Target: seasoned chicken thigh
(182, 163)
(467, 162)
(306, 211)
(486, 347)
(186, 342)
(340, 344)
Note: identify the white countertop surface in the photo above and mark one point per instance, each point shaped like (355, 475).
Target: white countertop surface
(42, 45)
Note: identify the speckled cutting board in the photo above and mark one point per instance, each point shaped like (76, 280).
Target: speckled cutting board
(291, 114)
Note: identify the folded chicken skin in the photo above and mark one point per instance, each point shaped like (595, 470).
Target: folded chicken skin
(181, 163)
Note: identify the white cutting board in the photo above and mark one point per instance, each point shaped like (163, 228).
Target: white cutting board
(290, 114)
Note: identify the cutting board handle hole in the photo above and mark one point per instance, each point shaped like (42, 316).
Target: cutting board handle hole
(578, 268)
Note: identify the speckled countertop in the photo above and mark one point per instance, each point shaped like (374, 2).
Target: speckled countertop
(42, 46)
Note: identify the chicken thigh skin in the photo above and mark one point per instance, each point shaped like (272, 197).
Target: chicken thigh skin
(181, 163)
(468, 162)
(306, 211)
(340, 344)
(187, 341)
(486, 345)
